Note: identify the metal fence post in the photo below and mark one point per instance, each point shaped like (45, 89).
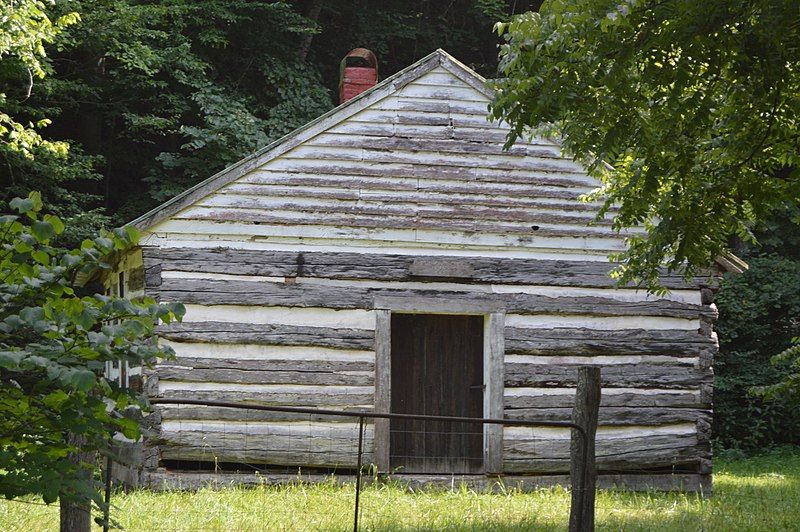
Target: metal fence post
(107, 509)
(358, 469)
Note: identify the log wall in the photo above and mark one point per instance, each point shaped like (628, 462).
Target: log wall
(415, 197)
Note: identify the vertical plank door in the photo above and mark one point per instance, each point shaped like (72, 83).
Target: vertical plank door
(437, 369)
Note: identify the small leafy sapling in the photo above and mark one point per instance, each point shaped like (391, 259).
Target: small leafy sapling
(54, 345)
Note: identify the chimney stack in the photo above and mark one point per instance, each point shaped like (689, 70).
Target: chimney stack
(358, 72)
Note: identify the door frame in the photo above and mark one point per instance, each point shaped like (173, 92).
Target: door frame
(493, 352)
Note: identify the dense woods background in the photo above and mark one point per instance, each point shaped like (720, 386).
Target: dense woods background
(154, 96)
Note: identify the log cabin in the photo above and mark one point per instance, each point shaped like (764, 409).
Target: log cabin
(392, 255)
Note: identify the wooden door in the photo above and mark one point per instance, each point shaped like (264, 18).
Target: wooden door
(437, 369)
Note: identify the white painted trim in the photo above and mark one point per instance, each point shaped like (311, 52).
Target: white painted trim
(301, 389)
(309, 317)
(603, 432)
(538, 392)
(604, 323)
(345, 428)
(602, 360)
(266, 352)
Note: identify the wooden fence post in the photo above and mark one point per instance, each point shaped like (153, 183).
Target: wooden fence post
(582, 470)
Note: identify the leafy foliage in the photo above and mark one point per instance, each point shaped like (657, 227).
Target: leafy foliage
(170, 92)
(788, 389)
(694, 104)
(54, 344)
(24, 29)
(759, 317)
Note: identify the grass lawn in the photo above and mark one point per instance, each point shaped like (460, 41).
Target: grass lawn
(761, 493)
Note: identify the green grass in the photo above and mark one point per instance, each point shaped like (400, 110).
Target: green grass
(761, 493)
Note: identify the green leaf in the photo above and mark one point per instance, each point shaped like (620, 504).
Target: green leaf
(31, 315)
(82, 380)
(41, 257)
(55, 221)
(43, 231)
(11, 359)
(22, 206)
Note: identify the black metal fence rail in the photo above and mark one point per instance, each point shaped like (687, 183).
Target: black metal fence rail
(585, 476)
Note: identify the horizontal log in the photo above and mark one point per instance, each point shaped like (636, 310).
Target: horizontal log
(612, 375)
(581, 341)
(233, 292)
(610, 416)
(315, 372)
(285, 449)
(635, 453)
(611, 397)
(349, 265)
(248, 333)
(169, 480)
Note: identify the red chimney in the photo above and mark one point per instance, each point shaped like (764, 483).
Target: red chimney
(358, 72)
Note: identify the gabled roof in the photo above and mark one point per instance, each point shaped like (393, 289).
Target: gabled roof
(335, 116)
(438, 58)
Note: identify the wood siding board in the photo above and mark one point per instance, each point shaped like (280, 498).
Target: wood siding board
(494, 351)
(383, 383)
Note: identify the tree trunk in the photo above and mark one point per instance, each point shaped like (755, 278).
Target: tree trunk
(76, 513)
(312, 14)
